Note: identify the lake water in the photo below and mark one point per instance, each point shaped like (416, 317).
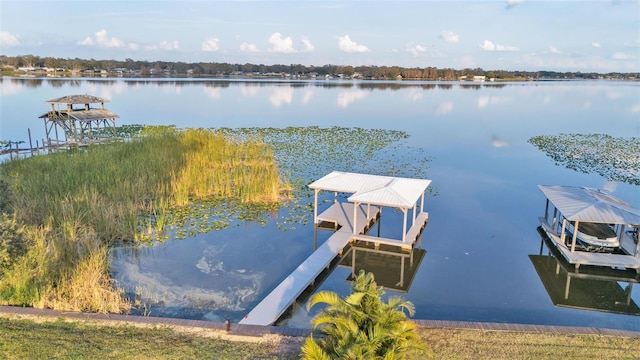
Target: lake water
(481, 244)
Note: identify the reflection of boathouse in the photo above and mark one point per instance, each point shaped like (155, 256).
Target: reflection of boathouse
(596, 288)
(72, 121)
(393, 268)
(575, 205)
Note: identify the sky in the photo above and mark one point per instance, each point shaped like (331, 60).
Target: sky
(528, 35)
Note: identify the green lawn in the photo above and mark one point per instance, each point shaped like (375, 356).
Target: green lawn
(26, 339)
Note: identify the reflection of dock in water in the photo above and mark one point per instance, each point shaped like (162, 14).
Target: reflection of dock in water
(393, 268)
(590, 288)
(351, 221)
(278, 301)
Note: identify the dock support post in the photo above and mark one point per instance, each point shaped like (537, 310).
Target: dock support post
(562, 232)
(575, 235)
(404, 225)
(30, 143)
(355, 217)
(546, 211)
(413, 219)
(315, 207)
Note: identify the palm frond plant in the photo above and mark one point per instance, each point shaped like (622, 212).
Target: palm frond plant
(363, 326)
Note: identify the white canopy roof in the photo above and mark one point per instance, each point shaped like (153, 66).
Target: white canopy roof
(591, 205)
(374, 189)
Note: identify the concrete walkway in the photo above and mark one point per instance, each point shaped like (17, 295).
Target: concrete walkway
(258, 330)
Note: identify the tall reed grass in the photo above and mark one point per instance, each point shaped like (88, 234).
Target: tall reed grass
(75, 203)
(112, 188)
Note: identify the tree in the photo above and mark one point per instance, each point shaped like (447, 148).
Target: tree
(362, 326)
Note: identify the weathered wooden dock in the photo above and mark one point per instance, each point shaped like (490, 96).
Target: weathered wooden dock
(279, 300)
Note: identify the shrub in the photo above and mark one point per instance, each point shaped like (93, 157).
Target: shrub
(362, 326)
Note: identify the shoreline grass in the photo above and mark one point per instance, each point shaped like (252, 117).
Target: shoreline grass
(37, 337)
(74, 204)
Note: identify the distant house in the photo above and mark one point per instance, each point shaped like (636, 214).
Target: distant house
(480, 78)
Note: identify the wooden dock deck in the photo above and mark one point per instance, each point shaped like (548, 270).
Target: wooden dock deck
(279, 300)
(578, 258)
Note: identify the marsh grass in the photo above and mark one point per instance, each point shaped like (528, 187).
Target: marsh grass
(112, 188)
(75, 203)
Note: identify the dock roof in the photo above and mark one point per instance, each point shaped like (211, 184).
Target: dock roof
(87, 115)
(579, 203)
(374, 189)
(77, 99)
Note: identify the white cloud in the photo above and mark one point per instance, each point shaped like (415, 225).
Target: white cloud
(596, 44)
(635, 109)
(101, 39)
(281, 44)
(347, 45)
(134, 46)
(210, 44)
(449, 36)
(490, 46)
(308, 46)
(622, 56)
(8, 39)
(554, 50)
(416, 50)
(248, 47)
(88, 41)
(164, 45)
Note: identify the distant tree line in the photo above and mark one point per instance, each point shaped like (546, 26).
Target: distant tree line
(170, 68)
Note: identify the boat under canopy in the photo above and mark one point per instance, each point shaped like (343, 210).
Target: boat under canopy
(588, 214)
(595, 235)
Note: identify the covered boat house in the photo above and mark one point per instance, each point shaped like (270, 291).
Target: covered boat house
(73, 121)
(351, 221)
(375, 192)
(573, 205)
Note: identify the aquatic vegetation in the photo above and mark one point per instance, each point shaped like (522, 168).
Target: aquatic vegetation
(616, 159)
(83, 200)
(305, 154)
(109, 187)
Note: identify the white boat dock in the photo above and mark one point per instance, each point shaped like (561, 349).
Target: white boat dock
(351, 220)
(578, 258)
(409, 240)
(279, 300)
(579, 204)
